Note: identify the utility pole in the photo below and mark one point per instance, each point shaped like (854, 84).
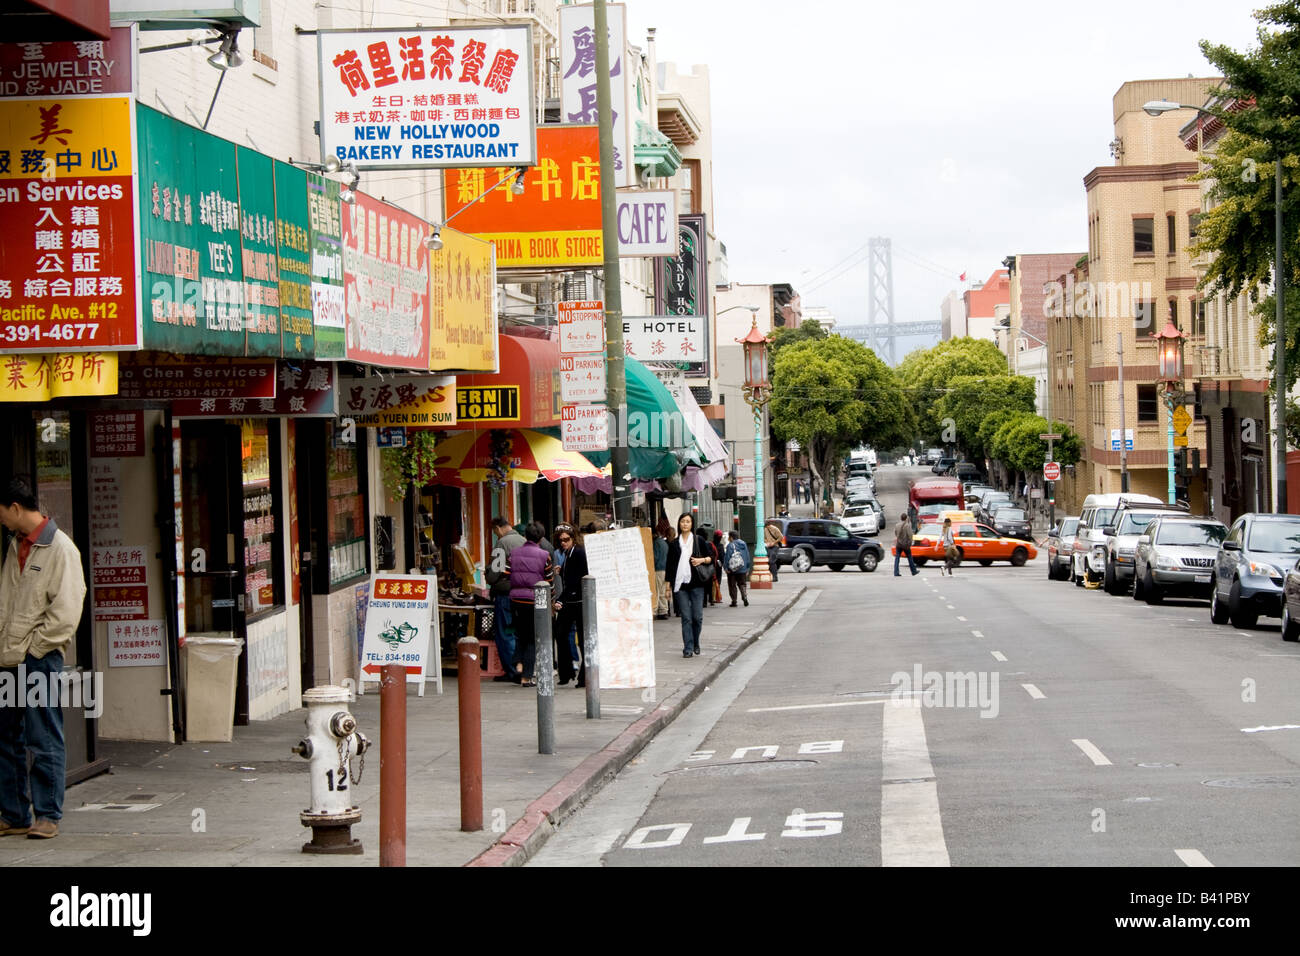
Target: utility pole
(1279, 349)
(1123, 432)
(616, 376)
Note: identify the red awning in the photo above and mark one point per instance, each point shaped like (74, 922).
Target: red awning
(524, 394)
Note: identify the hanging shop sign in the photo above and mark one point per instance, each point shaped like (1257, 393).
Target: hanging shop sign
(555, 222)
(69, 273)
(304, 389)
(578, 77)
(680, 291)
(423, 98)
(646, 220)
(463, 284)
(582, 326)
(499, 403)
(158, 376)
(582, 378)
(585, 428)
(41, 378)
(258, 251)
(293, 247)
(666, 338)
(426, 401)
(325, 224)
(386, 285)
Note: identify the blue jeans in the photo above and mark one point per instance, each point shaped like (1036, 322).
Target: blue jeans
(898, 553)
(505, 640)
(690, 605)
(40, 731)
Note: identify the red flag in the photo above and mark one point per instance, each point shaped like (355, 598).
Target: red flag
(962, 277)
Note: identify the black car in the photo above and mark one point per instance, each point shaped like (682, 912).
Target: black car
(1012, 522)
(942, 466)
(809, 542)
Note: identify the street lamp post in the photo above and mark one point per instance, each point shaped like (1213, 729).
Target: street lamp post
(1170, 344)
(757, 393)
(1156, 108)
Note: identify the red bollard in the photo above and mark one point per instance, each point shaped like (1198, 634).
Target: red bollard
(392, 765)
(469, 709)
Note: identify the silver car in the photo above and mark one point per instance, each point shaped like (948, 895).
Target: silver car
(1175, 556)
(1060, 549)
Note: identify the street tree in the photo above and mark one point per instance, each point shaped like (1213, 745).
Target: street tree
(926, 374)
(832, 394)
(970, 399)
(1016, 444)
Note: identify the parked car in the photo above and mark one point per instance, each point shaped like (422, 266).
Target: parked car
(1291, 604)
(861, 519)
(974, 541)
(1175, 556)
(989, 497)
(1089, 557)
(1120, 537)
(810, 542)
(1248, 568)
(1060, 548)
(943, 465)
(1012, 522)
(966, 470)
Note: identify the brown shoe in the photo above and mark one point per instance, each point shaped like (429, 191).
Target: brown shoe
(8, 829)
(43, 830)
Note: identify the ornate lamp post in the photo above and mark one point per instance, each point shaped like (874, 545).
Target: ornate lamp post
(1169, 341)
(757, 392)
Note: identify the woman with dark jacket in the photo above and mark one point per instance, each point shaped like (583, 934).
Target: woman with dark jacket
(688, 554)
(568, 601)
(529, 566)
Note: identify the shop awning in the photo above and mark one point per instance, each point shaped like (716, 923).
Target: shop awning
(516, 454)
(524, 394)
(660, 436)
(712, 448)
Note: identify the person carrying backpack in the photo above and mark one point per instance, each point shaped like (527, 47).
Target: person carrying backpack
(738, 562)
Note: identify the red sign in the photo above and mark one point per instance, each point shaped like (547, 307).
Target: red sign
(65, 67)
(160, 376)
(304, 390)
(409, 590)
(1051, 471)
(117, 434)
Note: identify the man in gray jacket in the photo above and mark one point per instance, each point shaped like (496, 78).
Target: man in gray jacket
(498, 580)
(42, 594)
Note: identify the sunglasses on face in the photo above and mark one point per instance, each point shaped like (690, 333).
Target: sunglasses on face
(564, 537)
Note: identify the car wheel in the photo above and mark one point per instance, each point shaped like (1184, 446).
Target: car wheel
(1151, 592)
(985, 562)
(1075, 576)
(1019, 557)
(1241, 616)
(1218, 610)
(835, 567)
(1139, 585)
(801, 561)
(868, 561)
(1108, 580)
(920, 562)
(1290, 629)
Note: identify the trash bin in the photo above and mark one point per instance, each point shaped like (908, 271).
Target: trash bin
(211, 671)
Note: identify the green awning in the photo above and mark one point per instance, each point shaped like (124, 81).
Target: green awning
(661, 442)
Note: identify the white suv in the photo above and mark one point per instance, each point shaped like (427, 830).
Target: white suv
(1089, 561)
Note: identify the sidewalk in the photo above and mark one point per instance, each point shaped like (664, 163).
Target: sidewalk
(237, 804)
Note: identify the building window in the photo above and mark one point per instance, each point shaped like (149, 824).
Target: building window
(1173, 234)
(687, 183)
(1144, 236)
(263, 517)
(346, 509)
(1198, 316)
(1193, 226)
(1196, 391)
(1173, 312)
(1144, 317)
(1148, 404)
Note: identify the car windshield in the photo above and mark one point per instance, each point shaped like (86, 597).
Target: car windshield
(1011, 514)
(1134, 524)
(855, 512)
(1068, 527)
(1278, 536)
(931, 530)
(1191, 533)
(1104, 516)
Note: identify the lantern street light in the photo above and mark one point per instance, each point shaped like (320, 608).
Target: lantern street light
(1169, 342)
(757, 393)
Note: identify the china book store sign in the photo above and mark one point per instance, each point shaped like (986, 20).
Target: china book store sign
(428, 97)
(69, 273)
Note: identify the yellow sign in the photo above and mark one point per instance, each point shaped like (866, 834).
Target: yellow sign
(1182, 418)
(40, 378)
(57, 140)
(463, 283)
(496, 404)
(435, 409)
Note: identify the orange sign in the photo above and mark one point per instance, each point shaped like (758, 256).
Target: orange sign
(555, 222)
(401, 588)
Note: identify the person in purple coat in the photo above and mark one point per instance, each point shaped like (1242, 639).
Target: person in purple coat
(530, 565)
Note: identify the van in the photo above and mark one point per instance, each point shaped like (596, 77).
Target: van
(1089, 559)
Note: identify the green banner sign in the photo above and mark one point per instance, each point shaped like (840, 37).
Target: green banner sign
(325, 213)
(293, 236)
(259, 251)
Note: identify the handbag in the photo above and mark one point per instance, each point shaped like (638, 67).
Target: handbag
(706, 572)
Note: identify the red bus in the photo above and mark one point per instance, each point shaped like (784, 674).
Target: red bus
(935, 491)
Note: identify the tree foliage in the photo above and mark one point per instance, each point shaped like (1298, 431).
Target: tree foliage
(970, 399)
(809, 330)
(927, 373)
(1017, 445)
(833, 393)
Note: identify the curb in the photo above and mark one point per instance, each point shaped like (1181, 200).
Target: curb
(527, 835)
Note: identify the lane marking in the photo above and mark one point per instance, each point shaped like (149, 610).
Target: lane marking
(911, 830)
(997, 655)
(952, 607)
(960, 618)
(980, 634)
(737, 833)
(1095, 755)
(1034, 692)
(1256, 730)
(1193, 857)
(842, 703)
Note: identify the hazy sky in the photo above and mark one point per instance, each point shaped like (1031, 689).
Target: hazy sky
(961, 131)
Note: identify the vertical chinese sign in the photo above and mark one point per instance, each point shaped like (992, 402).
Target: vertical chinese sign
(386, 284)
(464, 316)
(325, 225)
(258, 251)
(293, 242)
(578, 78)
(69, 273)
(681, 282)
(428, 97)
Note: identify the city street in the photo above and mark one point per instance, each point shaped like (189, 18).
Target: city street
(1096, 731)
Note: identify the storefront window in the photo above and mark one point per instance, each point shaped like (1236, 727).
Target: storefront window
(54, 466)
(346, 510)
(263, 536)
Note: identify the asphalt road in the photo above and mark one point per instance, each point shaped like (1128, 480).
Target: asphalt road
(1062, 727)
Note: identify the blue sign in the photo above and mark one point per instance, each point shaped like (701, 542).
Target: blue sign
(390, 437)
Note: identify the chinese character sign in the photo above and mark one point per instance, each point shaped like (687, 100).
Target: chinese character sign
(68, 269)
(556, 222)
(259, 251)
(325, 218)
(399, 401)
(40, 378)
(386, 284)
(665, 338)
(293, 244)
(463, 308)
(428, 97)
(578, 78)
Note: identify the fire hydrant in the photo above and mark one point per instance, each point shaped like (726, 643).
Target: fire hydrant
(332, 741)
